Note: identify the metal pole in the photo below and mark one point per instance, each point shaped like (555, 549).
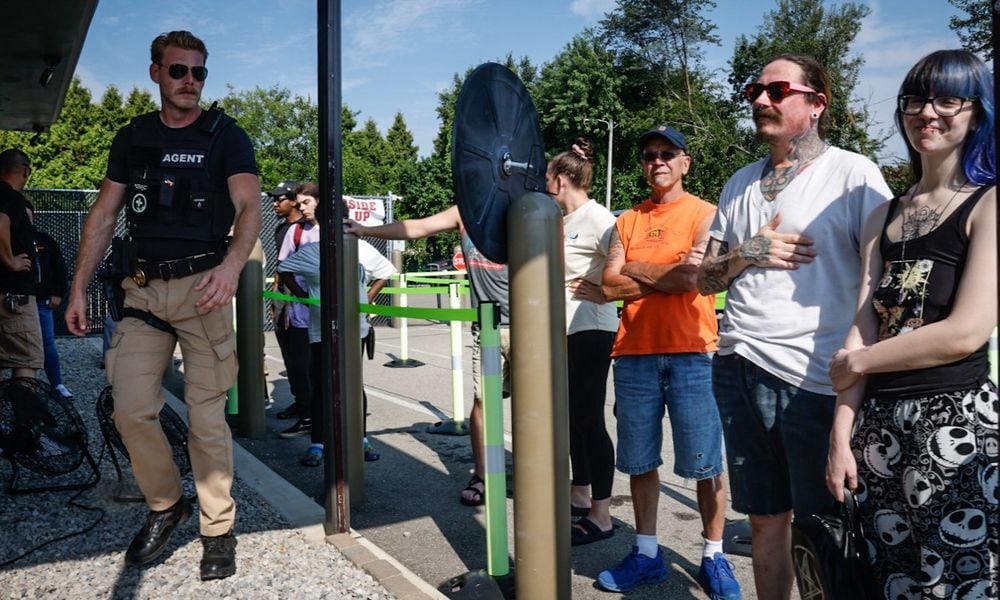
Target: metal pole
(332, 268)
(540, 421)
(456, 426)
(397, 261)
(250, 346)
(497, 561)
(611, 138)
(350, 348)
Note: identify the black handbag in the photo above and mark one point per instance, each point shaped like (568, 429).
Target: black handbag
(830, 555)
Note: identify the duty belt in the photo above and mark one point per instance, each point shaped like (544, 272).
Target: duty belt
(172, 269)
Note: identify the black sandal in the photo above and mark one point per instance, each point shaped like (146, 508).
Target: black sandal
(479, 494)
(589, 534)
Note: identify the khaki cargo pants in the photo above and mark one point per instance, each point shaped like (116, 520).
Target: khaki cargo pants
(135, 363)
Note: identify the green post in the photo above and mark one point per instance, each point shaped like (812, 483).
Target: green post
(497, 561)
(404, 360)
(456, 426)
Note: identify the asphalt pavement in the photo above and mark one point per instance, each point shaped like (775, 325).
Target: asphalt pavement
(410, 509)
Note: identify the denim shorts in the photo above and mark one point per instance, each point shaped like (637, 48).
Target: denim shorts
(776, 440)
(647, 386)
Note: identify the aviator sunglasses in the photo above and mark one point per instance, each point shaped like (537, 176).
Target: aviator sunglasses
(776, 90)
(178, 71)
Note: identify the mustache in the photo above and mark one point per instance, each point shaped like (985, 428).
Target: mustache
(765, 114)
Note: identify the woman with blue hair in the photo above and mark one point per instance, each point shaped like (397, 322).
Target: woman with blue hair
(914, 366)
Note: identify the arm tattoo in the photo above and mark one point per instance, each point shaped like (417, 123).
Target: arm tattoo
(616, 251)
(756, 249)
(712, 277)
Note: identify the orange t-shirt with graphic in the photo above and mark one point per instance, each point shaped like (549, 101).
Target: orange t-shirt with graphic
(661, 322)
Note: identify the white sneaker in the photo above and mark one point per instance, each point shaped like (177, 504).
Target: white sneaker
(65, 393)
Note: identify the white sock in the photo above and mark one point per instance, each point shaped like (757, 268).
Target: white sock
(320, 446)
(711, 548)
(647, 545)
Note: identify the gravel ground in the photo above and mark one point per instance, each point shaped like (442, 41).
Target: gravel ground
(273, 559)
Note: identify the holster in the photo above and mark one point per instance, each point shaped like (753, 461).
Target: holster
(119, 265)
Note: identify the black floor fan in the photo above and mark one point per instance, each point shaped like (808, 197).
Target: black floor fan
(173, 427)
(42, 432)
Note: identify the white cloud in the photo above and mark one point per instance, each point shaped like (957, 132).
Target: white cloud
(389, 25)
(592, 10)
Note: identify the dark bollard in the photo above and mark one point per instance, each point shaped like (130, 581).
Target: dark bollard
(350, 341)
(250, 346)
(540, 419)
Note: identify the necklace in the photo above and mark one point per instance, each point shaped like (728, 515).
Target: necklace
(922, 220)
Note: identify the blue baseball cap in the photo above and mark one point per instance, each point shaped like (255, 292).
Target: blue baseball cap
(666, 132)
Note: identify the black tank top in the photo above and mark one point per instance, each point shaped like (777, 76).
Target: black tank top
(920, 280)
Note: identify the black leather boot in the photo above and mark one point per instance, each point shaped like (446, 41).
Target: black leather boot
(218, 560)
(155, 534)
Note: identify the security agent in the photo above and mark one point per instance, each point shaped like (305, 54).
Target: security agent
(21, 342)
(186, 177)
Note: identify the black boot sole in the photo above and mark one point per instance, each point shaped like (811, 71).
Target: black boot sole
(218, 573)
(142, 561)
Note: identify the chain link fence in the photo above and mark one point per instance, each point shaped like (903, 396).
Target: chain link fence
(61, 214)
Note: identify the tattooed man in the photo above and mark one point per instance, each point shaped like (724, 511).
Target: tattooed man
(785, 247)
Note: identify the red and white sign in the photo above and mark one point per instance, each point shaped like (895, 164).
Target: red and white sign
(366, 211)
(458, 260)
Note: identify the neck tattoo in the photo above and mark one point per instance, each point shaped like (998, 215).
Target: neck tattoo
(805, 150)
(921, 220)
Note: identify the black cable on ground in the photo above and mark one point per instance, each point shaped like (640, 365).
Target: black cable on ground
(72, 502)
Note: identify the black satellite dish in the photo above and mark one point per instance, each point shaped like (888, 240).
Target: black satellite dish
(496, 155)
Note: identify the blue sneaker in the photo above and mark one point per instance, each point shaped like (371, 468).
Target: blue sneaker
(636, 569)
(717, 579)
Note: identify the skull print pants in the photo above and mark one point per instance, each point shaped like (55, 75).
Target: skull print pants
(927, 477)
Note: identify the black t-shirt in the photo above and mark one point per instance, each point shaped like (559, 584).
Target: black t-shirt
(232, 154)
(22, 241)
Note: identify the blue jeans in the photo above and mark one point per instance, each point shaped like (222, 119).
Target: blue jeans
(52, 369)
(646, 386)
(777, 439)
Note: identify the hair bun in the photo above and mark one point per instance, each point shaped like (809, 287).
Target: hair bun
(583, 148)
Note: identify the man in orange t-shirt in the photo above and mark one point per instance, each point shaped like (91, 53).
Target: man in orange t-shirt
(663, 362)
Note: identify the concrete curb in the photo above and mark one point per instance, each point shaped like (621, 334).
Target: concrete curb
(304, 515)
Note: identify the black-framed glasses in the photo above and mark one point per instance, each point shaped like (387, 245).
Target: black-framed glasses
(776, 90)
(944, 106)
(178, 71)
(664, 155)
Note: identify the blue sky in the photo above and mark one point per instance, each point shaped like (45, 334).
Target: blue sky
(397, 54)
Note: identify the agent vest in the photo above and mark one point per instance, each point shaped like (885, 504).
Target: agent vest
(171, 194)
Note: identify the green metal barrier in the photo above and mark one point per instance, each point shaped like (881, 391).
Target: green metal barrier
(491, 382)
(498, 563)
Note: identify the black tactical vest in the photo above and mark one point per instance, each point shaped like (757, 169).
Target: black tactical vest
(170, 194)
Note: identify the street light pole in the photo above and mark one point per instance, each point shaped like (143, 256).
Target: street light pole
(611, 137)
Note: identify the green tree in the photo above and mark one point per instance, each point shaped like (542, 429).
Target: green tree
(401, 153)
(365, 150)
(808, 27)
(975, 27)
(283, 129)
(139, 102)
(580, 83)
(657, 38)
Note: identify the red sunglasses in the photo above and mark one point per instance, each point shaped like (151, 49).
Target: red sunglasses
(776, 90)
